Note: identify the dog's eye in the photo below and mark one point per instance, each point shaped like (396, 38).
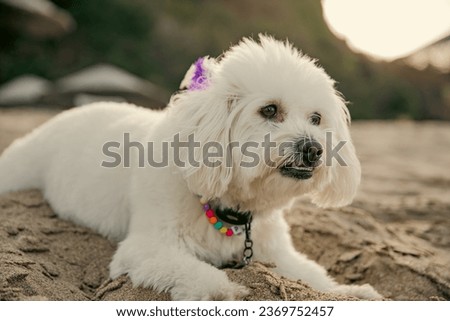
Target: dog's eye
(269, 111)
(315, 119)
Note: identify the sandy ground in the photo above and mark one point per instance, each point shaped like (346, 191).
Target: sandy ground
(395, 236)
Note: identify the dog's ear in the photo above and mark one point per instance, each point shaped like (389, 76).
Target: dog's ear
(346, 114)
(198, 74)
(344, 172)
(208, 122)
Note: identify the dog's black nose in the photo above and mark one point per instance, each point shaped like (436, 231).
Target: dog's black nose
(311, 151)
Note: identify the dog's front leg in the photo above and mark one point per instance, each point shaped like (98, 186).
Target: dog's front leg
(273, 243)
(152, 262)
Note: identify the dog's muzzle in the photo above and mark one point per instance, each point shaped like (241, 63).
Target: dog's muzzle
(305, 159)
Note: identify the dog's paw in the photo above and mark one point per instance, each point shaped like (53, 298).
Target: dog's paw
(364, 291)
(231, 293)
(209, 292)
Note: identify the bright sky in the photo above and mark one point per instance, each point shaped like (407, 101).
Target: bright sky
(388, 29)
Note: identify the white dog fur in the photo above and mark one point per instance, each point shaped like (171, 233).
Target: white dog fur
(165, 240)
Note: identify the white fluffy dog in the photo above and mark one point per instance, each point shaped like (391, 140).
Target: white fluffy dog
(158, 212)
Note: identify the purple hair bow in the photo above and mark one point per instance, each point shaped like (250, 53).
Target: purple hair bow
(199, 80)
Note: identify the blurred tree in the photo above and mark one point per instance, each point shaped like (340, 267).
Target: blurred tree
(111, 31)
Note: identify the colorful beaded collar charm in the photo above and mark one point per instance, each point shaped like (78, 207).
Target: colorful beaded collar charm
(218, 225)
(231, 217)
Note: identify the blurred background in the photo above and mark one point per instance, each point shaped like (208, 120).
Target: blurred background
(391, 58)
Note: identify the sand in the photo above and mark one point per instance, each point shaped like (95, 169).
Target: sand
(395, 235)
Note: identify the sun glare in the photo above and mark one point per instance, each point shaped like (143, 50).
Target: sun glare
(388, 29)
